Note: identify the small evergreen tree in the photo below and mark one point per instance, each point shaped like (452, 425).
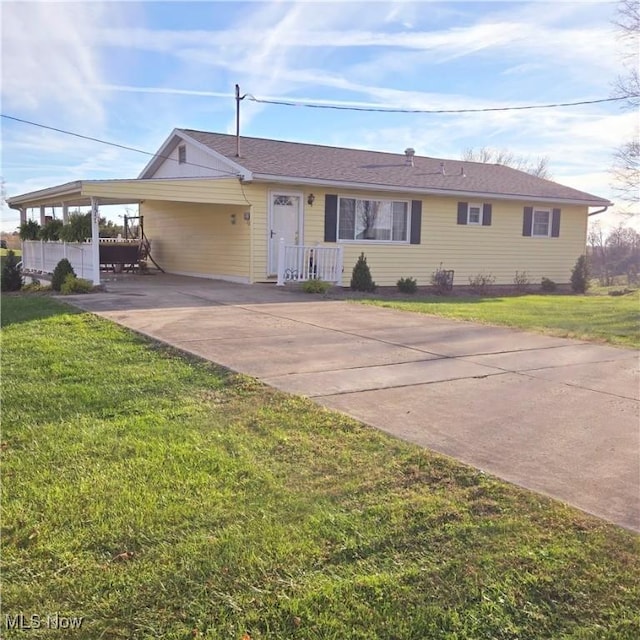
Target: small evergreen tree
(580, 275)
(361, 277)
(11, 273)
(62, 270)
(407, 285)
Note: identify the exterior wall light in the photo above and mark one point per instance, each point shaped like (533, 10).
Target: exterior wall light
(311, 199)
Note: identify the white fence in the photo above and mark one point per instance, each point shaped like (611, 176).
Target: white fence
(297, 263)
(118, 240)
(39, 256)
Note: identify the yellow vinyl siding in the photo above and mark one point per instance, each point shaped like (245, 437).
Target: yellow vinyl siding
(173, 218)
(499, 249)
(259, 231)
(189, 224)
(198, 239)
(227, 191)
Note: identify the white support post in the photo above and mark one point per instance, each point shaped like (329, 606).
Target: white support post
(43, 216)
(339, 265)
(281, 263)
(65, 212)
(23, 219)
(95, 241)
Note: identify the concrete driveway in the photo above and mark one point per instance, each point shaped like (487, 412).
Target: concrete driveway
(554, 415)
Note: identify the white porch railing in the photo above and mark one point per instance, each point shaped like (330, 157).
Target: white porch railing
(297, 263)
(39, 256)
(117, 240)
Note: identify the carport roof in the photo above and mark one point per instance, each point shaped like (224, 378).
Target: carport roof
(77, 193)
(115, 192)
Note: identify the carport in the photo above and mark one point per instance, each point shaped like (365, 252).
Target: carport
(148, 196)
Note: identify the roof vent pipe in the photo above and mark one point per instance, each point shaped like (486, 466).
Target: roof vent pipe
(462, 173)
(409, 153)
(442, 169)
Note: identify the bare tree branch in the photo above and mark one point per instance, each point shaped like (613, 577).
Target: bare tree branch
(626, 168)
(538, 167)
(627, 85)
(628, 18)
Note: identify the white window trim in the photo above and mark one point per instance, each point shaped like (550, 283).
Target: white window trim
(361, 197)
(533, 222)
(481, 216)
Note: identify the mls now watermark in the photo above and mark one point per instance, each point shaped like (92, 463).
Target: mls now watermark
(27, 622)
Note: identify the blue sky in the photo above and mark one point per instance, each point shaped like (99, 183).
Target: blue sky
(130, 72)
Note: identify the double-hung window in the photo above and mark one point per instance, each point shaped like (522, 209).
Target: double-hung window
(474, 214)
(541, 222)
(360, 219)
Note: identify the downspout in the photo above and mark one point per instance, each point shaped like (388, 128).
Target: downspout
(251, 247)
(595, 213)
(250, 221)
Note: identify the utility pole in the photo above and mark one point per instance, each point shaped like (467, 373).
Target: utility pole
(238, 98)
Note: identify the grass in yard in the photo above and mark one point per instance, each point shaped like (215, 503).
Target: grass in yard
(613, 319)
(3, 252)
(161, 497)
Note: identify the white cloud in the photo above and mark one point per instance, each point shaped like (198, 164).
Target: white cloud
(272, 32)
(48, 60)
(59, 62)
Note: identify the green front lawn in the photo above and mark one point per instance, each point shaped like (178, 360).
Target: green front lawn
(613, 319)
(161, 497)
(3, 252)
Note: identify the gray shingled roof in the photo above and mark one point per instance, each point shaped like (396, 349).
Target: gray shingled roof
(375, 168)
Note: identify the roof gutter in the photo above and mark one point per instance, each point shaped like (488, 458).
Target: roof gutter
(45, 194)
(595, 213)
(263, 177)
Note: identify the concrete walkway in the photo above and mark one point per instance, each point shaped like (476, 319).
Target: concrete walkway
(557, 416)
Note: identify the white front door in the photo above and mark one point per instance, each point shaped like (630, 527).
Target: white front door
(284, 223)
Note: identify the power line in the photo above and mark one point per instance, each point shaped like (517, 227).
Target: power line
(114, 144)
(311, 105)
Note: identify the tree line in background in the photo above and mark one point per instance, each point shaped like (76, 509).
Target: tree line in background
(614, 255)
